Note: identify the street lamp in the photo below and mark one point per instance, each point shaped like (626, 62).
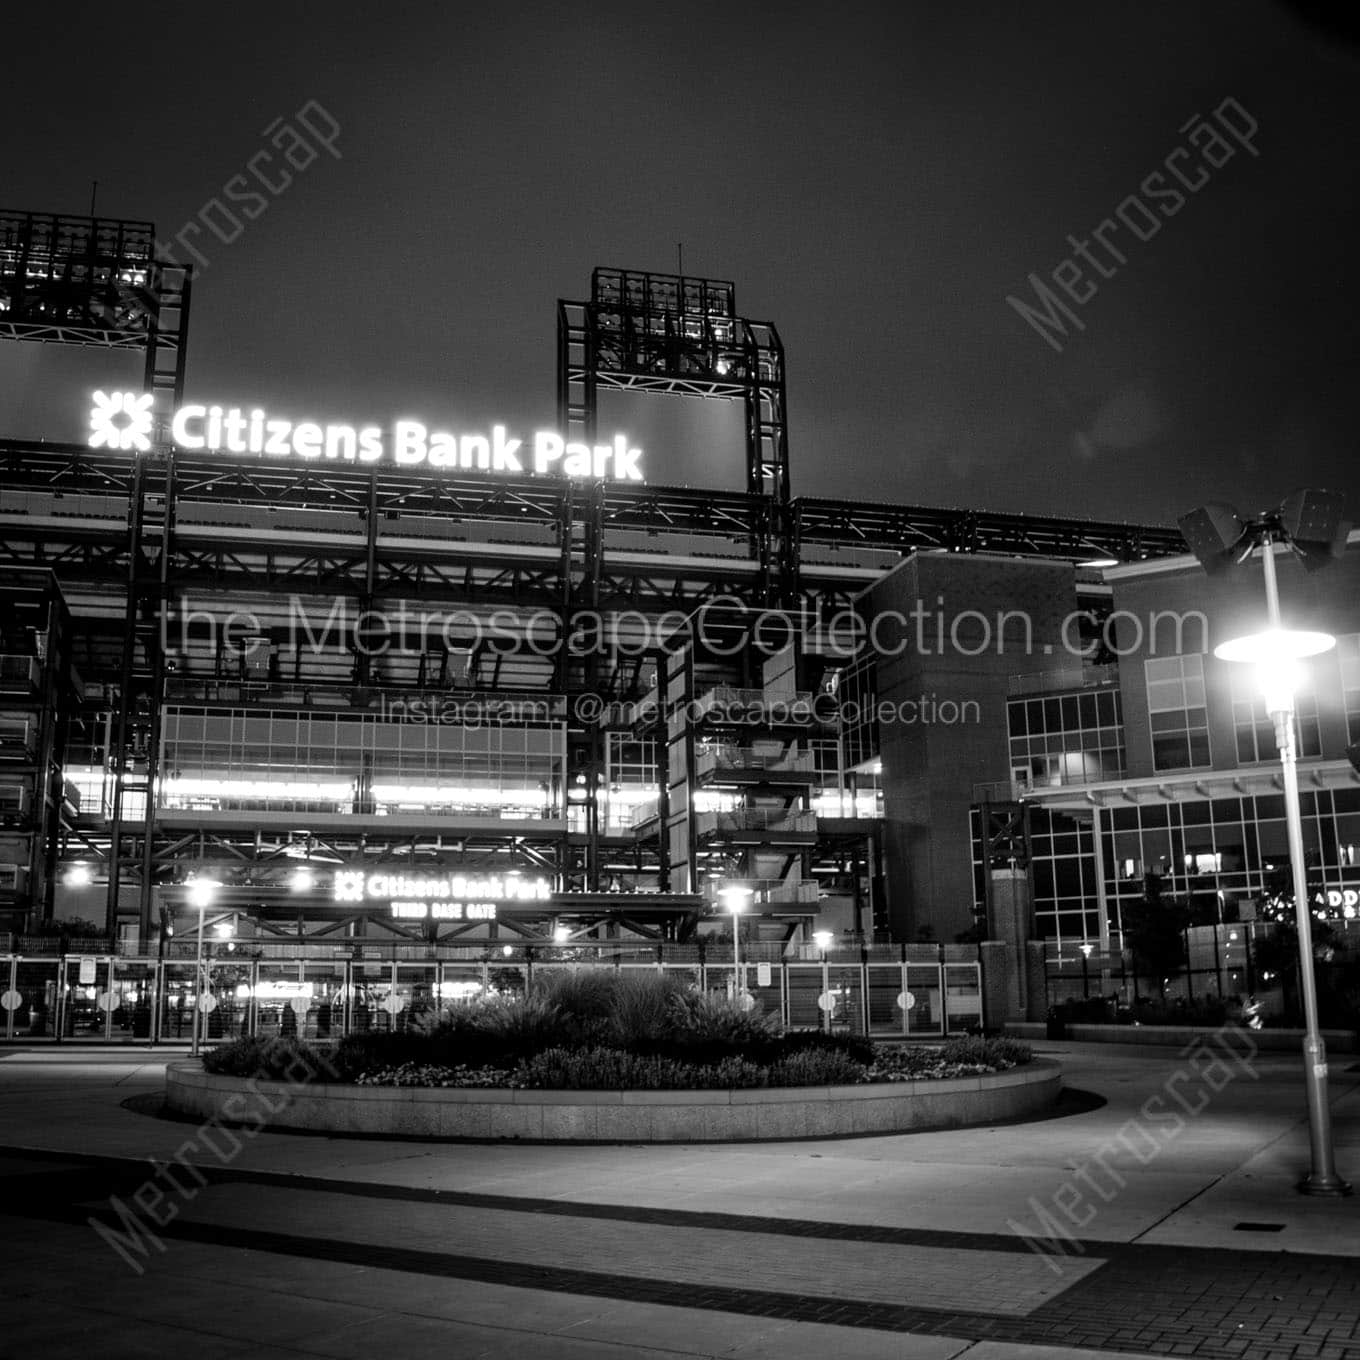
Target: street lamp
(734, 900)
(822, 939)
(202, 891)
(1308, 523)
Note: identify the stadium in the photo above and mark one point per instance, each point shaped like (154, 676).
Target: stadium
(369, 715)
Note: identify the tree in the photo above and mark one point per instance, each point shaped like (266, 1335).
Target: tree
(1277, 961)
(1154, 931)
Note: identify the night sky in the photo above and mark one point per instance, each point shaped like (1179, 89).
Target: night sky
(875, 179)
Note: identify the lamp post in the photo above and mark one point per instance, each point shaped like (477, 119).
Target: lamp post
(201, 894)
(734, 900)
(822, 939)
(1310, 524)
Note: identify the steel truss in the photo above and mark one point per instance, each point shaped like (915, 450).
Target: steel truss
(678, 335)
(131, 536)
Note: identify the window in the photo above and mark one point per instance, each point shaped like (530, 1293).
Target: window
(1176, 709)
(1255, 728)
(1348, 654)
(1070, 739)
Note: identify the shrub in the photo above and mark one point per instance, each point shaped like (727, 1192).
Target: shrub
(613, 1069)
(517, 1026)
(584, 994)
(271, 1060)
(853, 1046)
(995, 1052)
(434, 1074)
(710, 1028)
(817, 1067)
(645, 1007)
(357, 1053)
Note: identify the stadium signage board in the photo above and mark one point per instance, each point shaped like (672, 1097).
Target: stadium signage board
(126, 421)
(438, 897)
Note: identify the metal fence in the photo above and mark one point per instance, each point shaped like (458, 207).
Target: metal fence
(108, 998)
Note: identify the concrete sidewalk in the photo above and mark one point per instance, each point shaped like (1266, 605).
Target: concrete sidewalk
(896, 1237)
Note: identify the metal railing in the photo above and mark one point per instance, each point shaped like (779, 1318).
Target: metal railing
(736, 758)
(1065, 678)
(756, 819)
(779, 890)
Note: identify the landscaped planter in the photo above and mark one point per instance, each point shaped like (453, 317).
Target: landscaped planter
(618, 1116)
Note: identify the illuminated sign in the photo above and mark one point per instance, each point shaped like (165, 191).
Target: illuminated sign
(123, 420)
(438, 897)
(1345, 900)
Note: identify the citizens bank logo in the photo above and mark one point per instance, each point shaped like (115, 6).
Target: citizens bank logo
(349, 886)
(121, 420)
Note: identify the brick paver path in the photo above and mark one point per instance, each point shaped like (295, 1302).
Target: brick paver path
(1248, 1304)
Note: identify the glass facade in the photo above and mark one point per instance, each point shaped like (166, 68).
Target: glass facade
(1348, 658)
(1177, 712)
(1066, 738)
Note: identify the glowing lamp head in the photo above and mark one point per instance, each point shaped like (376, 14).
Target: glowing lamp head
(202, 891)
(822, 939)
(1276, 653)
(735, 899)
(79, 876)
(561, 934)
(303, 880)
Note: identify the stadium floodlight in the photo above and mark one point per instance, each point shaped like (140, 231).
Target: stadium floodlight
(1214, 533)
(1309, 524)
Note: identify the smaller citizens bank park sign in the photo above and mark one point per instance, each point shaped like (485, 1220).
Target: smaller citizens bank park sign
(438, 897)
(125, 420)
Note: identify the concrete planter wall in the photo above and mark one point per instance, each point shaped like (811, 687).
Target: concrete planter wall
(617, 1116)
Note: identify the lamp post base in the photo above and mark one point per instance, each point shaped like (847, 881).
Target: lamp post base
(1322, 1178)
(1331, 1185)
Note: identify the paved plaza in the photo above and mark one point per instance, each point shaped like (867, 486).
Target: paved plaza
(1192, 1239)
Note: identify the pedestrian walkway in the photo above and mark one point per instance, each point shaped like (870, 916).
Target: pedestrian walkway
(903, 1246)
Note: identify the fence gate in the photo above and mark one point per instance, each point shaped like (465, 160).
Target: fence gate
(924, 998)
(30, 998)
(962, 997)
(887, 988)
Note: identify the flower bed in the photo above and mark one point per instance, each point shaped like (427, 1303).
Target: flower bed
(612, 1057)
(605, 1030)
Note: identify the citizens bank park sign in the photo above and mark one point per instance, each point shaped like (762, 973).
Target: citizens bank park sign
(126, 420)
(438, 897)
